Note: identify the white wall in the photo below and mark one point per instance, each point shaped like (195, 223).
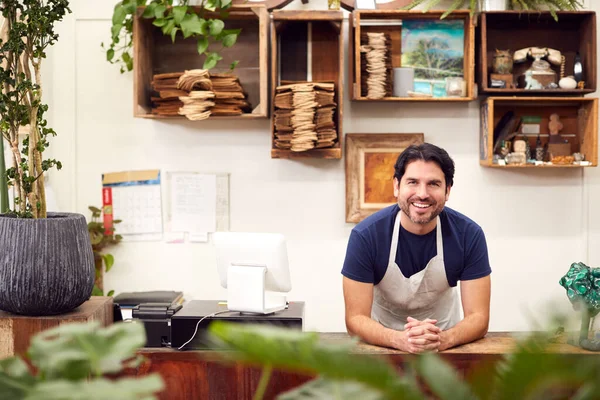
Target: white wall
(536, 222)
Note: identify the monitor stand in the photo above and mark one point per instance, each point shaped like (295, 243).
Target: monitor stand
(246, 290)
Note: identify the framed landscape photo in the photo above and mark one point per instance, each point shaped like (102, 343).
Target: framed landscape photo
(370, 159)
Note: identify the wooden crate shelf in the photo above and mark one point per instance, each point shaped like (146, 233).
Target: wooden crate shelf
(574, 32)
(155, 53)
(308, 46)
(389, 21)
(579, 116)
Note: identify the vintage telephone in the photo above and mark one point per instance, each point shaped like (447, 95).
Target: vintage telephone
(537, 53)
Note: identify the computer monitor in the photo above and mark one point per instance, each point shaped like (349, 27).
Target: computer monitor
(254, 268)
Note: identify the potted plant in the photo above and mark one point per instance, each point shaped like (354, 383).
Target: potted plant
(531, 371)
(46, 259)
(477, 6)
(102, 237)
(79, 361)
(181, 19)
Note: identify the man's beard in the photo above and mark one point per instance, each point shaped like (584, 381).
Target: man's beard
(423, 219)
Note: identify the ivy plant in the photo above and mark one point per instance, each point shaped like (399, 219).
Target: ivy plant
(525, 5)
(101, 238)
(27, 32)
(177, 21)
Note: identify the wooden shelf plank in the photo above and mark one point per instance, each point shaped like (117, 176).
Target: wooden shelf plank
(428, 99)
(331, 153)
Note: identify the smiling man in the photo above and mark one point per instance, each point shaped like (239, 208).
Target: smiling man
(404, 262)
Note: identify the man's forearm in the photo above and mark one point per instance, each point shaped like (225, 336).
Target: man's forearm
(471, 328)
(373, 332)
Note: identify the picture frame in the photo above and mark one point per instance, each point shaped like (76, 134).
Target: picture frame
(370, 159)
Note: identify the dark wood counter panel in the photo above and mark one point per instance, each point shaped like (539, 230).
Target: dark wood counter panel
(200, 375)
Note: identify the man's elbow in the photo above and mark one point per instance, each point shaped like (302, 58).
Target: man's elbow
(484, 325)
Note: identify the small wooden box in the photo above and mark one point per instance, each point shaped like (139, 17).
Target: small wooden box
(155, 53)
(308, 46)
(16, 330)
(508, 79)
(390, 21)
(579, 116)
(574, 32)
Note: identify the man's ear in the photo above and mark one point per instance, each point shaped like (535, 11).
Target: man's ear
(396, 187)
(448, 192)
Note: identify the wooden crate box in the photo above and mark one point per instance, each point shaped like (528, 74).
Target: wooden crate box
(390, 22)
(155, 53)
(578, 116)
(307, 46)
(574, 32)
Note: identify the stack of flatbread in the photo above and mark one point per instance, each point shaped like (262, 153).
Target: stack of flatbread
(166, 99)
(376, 65)
(304, 116)
(198, 101)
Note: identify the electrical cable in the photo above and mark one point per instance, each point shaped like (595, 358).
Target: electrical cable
(198, 324)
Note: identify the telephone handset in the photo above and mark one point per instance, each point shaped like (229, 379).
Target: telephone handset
(553, 56)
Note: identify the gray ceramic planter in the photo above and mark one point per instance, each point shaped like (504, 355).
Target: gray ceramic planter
(46, 265)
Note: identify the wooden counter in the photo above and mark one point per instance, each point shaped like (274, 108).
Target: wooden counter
(199, 374)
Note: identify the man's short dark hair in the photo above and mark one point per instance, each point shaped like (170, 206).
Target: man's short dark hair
(429, 153)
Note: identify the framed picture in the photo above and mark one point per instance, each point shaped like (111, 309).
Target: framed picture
(370, 160)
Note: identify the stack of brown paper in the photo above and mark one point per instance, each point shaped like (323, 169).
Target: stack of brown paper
(376, 65)
(304, 115)
(166, 100)
(230, 98)
(197, 103)
(197, 94)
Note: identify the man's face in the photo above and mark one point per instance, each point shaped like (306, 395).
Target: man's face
(422, 191)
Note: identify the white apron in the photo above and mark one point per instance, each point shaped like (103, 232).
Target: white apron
(425, 294)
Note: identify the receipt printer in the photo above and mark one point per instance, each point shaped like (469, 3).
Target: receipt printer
(154, 309)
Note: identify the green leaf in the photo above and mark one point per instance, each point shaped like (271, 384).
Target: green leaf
(211, 60)
(225, 3)
(159, 11)
(202, 45)
(204, 27)
(216, 26)
(166, 30)
(94, 209)
(98, 389)
(234, 64)
(160, 22)
(443, 380)
(174, 34)
(110, 293)
(76, 351)
(229, 40)
(304, 353)
(179, 13)
(321, 388)
(149, 10)
(126, 57)
(15, 379)
(115, 30)
(96, 291)
(210, 5)
(119, 15)
(109, 261)
(190, 25)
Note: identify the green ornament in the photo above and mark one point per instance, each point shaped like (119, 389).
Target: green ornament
(582, 284)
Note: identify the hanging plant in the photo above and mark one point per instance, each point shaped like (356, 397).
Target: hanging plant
(476, 6)
(182, 20)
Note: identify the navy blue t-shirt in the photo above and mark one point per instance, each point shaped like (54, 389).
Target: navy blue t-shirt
(368, 252)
